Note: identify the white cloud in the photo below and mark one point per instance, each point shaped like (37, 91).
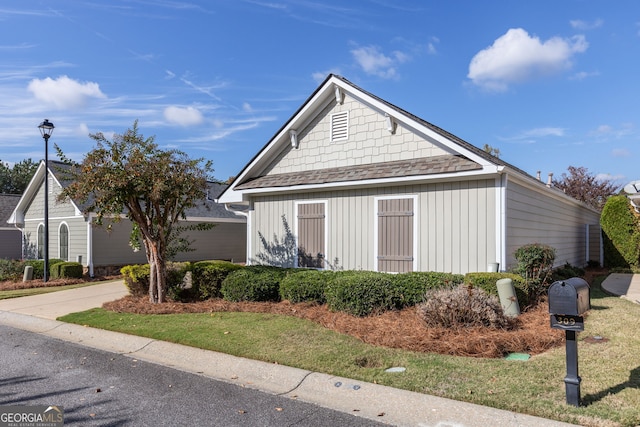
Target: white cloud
(246, 107)
(584, 25)
(82, 130)
(63, 92)
(517, 57)
(319, 76)
(581, 75)
(183, 116)
(620, 152)
(376, 63)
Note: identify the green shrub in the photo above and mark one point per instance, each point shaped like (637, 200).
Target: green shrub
(414, 285)
(253, 283)
(38, 266)
(178, 282)
(304, 285)
(462, 307)
(361, 293)
(136, 277)
(11, 270)
(535, 262)
(70, 270)
(567, 271)
(207, 277)
(487, 282)
(621, 233)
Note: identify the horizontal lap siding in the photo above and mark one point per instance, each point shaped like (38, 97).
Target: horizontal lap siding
(225, 241)
(534, 218)
(456, 226)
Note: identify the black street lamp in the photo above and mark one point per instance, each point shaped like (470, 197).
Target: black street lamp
(46, 129)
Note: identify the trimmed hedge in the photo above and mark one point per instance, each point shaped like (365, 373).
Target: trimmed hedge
(136, 277)
(621, 233)
(11, 269)
(207, 277)
(414, 285)
(69, 270)
(253, 283)
(361, 293)
(305, 285)
(38, 266)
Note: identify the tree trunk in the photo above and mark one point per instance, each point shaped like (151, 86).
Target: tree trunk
(157, 277)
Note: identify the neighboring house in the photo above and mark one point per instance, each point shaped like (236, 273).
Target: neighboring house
(363, 184)
(73, 235)
(10, 236)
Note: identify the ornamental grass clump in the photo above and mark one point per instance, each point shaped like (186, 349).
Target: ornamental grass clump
(462, 307)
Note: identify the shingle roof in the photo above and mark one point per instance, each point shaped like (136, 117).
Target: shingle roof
(205, 208)
(394, 169)
(8, 203)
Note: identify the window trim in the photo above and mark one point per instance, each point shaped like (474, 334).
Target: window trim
(63, 223)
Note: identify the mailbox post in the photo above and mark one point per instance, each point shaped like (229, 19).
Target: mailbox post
(568, 301)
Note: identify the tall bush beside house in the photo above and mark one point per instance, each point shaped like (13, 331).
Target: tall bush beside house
(10, 269)
(535, 263)
(621, 233)
(38, 266)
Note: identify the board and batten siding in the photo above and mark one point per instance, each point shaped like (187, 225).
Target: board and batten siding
(455, 231)
(368, 142)
(535, 217)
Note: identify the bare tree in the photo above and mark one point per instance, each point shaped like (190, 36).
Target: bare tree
(586, 187)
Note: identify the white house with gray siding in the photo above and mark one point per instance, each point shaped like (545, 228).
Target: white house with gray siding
(74, 236)
(363, 184)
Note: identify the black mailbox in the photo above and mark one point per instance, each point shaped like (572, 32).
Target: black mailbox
(568, 300)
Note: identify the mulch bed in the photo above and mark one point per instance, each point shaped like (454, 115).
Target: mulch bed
(401, 329)
(395, 329)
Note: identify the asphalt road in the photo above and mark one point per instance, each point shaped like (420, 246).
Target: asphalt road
(98, 388)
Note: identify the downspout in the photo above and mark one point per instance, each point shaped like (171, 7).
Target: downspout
(90, 245)
(501, 249)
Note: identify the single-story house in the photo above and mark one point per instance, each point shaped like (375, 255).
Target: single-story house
(74, 236)
(10, 236)
(351, 181)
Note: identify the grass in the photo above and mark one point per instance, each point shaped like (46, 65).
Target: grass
(610, 370)
(15, 293)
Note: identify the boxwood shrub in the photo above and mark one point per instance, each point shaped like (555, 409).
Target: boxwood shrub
(304, 285)
(207, 277)
(38, 266)
(253, 283)
(361, 293)
(414, 285)
(70, 270)
(136, 277)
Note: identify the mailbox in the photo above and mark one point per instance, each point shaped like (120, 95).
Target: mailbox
(568, 300)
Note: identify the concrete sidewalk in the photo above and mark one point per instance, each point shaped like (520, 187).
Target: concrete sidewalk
(623, 285)
(380, 403)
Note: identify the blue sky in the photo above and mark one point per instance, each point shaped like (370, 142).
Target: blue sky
(549, 83)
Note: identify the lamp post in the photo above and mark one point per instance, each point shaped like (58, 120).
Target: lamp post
(46, 129)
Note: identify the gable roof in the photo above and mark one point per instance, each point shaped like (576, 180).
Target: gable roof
(8, 203)
(204, 210)
(464, 158)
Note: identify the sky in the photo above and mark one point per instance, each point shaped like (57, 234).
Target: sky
(549, 83)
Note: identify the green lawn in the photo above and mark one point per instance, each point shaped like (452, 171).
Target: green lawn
(15, 293)
(610, 370)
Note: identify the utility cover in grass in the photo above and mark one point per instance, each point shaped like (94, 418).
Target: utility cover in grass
(517, 356)
(396, 369)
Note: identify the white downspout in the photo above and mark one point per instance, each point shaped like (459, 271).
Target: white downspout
(501, 247)
(249, 218)
(90, 245)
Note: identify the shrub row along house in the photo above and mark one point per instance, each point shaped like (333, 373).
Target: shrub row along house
(354, 182)
(73, 235)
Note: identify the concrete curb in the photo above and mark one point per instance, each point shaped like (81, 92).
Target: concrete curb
(371, 401)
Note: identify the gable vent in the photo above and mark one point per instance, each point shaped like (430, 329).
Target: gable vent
(340, 126)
